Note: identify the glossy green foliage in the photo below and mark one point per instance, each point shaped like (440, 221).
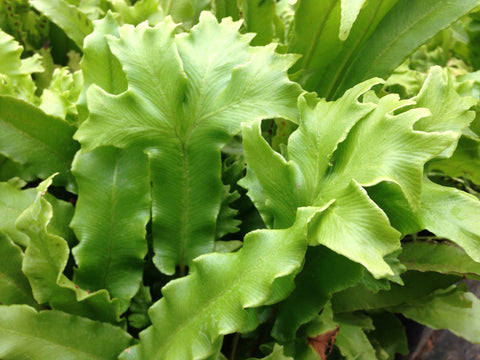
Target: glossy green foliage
(168, 190)
(170, 110)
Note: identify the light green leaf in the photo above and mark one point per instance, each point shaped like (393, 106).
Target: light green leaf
(465, 161)
(407, 26)
(417, 285)
(330, 157)
(449, 110)
(197, 310)
(99, 66)
(350, 11)
(12, 64)
(13, 202)
(259, 16)
(323, 274)
(352, 341)
(45, 259)
(316, 37)
(41, 142)
(455, 310)
(50, 334)
(112, 210)
(441, 257)
(14, 286)
(176, 103)
(139, 12)
(453, 214)
(68, 17)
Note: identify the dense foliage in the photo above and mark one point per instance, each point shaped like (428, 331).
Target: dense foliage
(236, 179)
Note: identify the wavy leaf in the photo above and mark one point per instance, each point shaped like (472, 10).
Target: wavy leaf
(330, 157)
(12, 64)
(323, 274)
(176, 104)
(456, 310)
(449, 110)
(45, 259)
(41, 142)
(197, 310)
(68, 17)
(25, 333)
(453, 214)
(112, 210)
(444, 258)
(14, 286)
(407, 26)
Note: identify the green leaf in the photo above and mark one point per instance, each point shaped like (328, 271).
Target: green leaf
(407, 26)
(417, 284)
(45, 259)
(68, 17)
(452, 213)
(259, 16)
(13, 202)
(14, 286)
(99, 65)
(465, 161)
(25, 333)
(12, 64)
(455, 310)
(112, 210)
(352, 341)
(41, 142)
(389, 336)
(330, 158)
(276, 354)
(350, 11)
(196, 310)
(323, 274)
(449, 110)
(316, 36)
(441, 257)
(174, 108)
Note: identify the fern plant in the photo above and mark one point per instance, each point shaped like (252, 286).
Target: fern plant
(234, 179)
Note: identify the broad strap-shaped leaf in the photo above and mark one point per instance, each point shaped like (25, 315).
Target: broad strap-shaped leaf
(41, 142)
(444, 258)
(449, 110)
(68, 17)
(181, 107)
(350, 11)
(45, 259)
(196, 310)
(407, 26)
(112, 210)
(26, 333)
(339, 148)
(453, 214)
(320, 35)
(454, 309)
(417, 285)
(260, 17)
(323, 274)
(14, 286)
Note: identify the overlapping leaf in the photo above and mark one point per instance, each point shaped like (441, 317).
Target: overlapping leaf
(45, 259)
(197, 310)
(14, 286)
(41, 142)
(182, 105)
(45, 335)
(338, 148)
(112, 211)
